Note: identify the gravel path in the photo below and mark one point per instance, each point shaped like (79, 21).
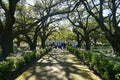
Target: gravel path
(58, 65)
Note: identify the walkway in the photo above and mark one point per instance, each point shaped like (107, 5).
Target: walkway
(58, 65)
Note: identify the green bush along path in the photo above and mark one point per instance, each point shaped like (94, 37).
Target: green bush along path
(58, 65)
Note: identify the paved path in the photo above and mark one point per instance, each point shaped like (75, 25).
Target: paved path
(58, 65)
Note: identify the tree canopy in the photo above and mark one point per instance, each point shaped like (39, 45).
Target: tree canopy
(27, 22)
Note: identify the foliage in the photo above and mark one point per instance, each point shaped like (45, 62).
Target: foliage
(12, 64)
(108, 23)
(6, 68)
(28, 57)
(19, 62)
(107, 68)
(64, 34)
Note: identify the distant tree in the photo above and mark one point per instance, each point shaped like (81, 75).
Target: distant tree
(45, 32)
(97, 37)
(84, 25)
(36, 22)
(25, 26)
(79, 36)
(63, 33)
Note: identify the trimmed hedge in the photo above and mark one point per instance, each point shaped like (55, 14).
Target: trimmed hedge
(108, 68)
(11, 64)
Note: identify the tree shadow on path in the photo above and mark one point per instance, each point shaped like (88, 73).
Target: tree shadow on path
(59, 65)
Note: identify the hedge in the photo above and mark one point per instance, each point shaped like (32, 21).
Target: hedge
(11, 64)
(106, 67)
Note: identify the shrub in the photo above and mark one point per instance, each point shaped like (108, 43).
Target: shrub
(116, 68)
(27, 58)
(117, 76)
(19, 62)
(11, 64)
(37, 54)
(108, 68)
(6, 68)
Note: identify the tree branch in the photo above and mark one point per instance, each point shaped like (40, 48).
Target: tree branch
(72, 21)
(1, 26)
(3, 6)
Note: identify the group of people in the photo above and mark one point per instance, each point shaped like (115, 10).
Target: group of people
(60, 45)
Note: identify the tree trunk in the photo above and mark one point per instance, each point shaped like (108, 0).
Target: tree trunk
(114, 39)
(43, 43)
(87, 42)
(32, 46)
(79, 43)
(116, 50)
(115, 43)
(95, 43)
(6, 43)
(6, 30)
(31, 42)
(18, 42)
(34, 43)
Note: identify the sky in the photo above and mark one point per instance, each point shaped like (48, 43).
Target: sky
(30, 1)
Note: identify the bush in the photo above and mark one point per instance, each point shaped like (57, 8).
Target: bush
(6, 67)
(27, 58)
(117, 76)
(19, 62)
(11, 64)
(116, 68)
(38, 54)
(107, 68)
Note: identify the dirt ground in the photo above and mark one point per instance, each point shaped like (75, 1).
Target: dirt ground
(58, 65)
